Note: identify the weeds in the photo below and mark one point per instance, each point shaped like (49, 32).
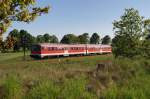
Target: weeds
(75, 78)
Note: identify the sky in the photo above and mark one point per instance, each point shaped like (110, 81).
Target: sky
(81, 16)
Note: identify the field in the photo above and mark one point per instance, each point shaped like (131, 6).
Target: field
(73, 77)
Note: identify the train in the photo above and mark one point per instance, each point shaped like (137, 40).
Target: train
(43, 50)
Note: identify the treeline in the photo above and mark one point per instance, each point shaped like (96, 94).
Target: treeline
(16, 40)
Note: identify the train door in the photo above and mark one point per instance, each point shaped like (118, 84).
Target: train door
(66, 51)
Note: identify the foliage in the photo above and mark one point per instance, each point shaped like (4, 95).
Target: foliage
(54, 39)
(95, 39)
(18, 10)
(129, 79)
(69, 39)
(46, 38)
(15, 40)
(146, 48)
(128, 34)
(10, 42)
(12, 88)
(106, 40)
(26, 38)
(40, 39)
(147, 28)
(76, 89)
(84, 38)
(44, 90)
(1, 44)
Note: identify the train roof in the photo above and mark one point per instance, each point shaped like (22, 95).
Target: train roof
(71, 45)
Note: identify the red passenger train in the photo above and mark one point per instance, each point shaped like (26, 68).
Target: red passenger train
(46, 49)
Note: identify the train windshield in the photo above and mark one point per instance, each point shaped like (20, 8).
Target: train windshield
(36, 48)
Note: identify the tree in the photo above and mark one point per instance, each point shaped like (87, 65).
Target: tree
(26, 38)
(147, 28)
(69, 39)
(84, 38)
(39, 39)
(3, 46)
(54, 39)
(23, 37)
(18, 10)
(106, 40)
(46, 38)
(1, 42)
(16, 35)
(95, 38)
(9, 43)
(128, 34)
(146, 42)
(146, 48)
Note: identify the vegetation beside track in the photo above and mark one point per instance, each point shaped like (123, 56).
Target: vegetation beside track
(73, 78)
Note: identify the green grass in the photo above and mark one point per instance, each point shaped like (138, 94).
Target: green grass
(73, 78)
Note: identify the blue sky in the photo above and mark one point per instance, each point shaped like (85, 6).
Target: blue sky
(80, 16)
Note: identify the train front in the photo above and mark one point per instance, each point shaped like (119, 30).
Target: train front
(36, 51)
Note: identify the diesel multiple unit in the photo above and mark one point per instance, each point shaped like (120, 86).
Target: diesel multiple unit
(45, 49)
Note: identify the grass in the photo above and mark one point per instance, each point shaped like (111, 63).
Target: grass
(73, 78)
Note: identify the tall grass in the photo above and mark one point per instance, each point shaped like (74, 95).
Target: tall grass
(11, 88)
(75, 78)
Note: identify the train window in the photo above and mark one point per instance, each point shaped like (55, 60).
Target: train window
(53, 48)
(42, 48)
(35, 48)
(65, 48)
(49, 48)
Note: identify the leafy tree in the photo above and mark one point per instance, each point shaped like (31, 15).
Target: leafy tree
(26, 38)
(69, 39)
(146, 42)
(54, 39)
(146, 48)
(3, 46)
(1, 42)
(9, 43)
(23, 37)
(147, 28)
(95, 38)
(39, 39)
(148, 37)
(46, 38)
(106, 40)
(18, 10)
(84, 38)
(128, 32)
(14, 33)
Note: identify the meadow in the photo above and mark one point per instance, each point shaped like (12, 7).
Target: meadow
(74, 77)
